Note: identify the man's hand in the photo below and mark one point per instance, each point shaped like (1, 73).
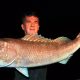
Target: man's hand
(78, 35)
(78, 38)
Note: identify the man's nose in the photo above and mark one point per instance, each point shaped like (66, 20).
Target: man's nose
(32, 25)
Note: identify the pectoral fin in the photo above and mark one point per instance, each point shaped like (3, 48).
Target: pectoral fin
(65, 60)
(24, 71)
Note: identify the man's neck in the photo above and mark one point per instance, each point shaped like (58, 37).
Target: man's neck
(31, 34)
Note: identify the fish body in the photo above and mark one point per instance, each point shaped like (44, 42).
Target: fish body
(21, 53)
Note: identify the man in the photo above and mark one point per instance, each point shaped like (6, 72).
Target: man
(30, 25)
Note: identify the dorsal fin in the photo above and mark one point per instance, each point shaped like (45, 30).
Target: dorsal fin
(43, 39)
(61, 40)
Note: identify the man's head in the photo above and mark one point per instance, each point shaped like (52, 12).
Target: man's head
(30, 23)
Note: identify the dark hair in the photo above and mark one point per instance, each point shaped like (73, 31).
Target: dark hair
(29, 13)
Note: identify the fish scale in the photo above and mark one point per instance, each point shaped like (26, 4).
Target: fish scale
(36, 51)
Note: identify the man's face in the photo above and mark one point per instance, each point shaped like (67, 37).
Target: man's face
(31, 25)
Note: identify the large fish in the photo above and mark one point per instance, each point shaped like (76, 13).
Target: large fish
(20, 53)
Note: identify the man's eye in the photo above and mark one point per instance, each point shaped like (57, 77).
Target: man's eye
(36, 21)
(28, 21)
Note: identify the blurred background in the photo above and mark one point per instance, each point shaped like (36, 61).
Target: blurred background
(56, 19)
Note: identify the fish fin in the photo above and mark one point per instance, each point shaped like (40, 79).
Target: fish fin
(65, 60)
(24, 71)
(4, 64)
(62, 39)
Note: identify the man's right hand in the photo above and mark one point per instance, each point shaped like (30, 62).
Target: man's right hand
(78, 38)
